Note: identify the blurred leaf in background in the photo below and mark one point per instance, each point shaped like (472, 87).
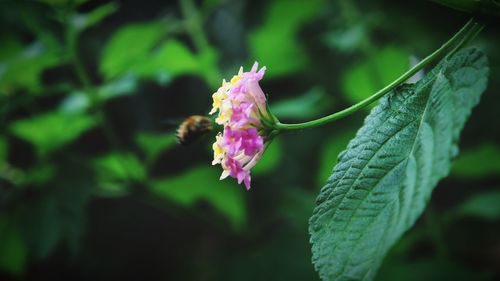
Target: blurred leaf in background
(13, 252)
(484, 205)
(154, 144)
(332, 148)
(281, 32)
(22, 70)
(115, 171)
(138, 39)
(154, 55)
(365, 78)
(202, 184)
(84, 21)
(478, 162)
(50, 131)
(3, 149)
(313, 103)
(271, 158)
(56, 217)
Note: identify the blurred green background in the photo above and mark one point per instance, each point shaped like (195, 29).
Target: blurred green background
(94, 187)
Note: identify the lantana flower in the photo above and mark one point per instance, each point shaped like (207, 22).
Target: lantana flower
(248, 124)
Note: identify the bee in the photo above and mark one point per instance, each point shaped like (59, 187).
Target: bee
(192, 128)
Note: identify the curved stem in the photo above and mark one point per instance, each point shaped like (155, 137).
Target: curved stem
(473, 32)
(467, 32)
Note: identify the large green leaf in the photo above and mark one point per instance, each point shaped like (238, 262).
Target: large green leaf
(384, 179)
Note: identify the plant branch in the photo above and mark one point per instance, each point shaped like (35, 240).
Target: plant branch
(464, 35)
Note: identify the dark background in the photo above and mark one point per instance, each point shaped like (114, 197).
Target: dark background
(94, 187)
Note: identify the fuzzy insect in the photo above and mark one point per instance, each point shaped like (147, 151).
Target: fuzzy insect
(192, 128)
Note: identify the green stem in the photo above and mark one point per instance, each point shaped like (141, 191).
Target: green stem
(467, 32)
(474, 31)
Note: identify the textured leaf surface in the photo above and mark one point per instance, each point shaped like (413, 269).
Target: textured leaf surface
(384, 178)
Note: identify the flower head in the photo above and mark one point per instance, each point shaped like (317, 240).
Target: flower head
(242, 110)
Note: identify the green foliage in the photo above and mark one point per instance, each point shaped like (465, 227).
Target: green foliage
(38, 175)
(490, 7)
(364, 79)
(154, 144)
(13, 252)
(138, 39)
(349, 38)
(83, 21)
(171, 59)
(271, 158)
(384, 179)
(429, 270)
(479, 162)
(484, 205)
(11, 46)
(149, 57)
(280, 31)
(202, 184)
(3, 149)
(50, 131)
(56, 217)
(331, 149)
(23, 70)
(150, 63)
(63, 3)
(309, 105)
(296, 206)
(116, 170)
(78, 101)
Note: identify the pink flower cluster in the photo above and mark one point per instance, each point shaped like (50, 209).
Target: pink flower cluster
(241, 106)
